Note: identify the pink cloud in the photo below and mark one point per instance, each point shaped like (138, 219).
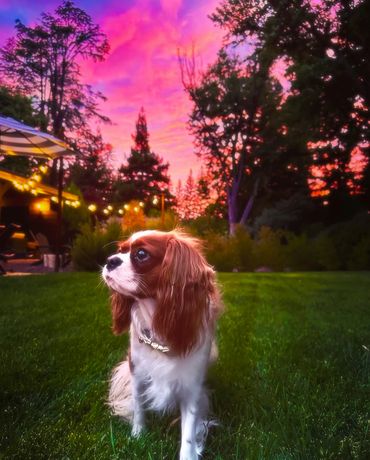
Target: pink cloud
(143, 70)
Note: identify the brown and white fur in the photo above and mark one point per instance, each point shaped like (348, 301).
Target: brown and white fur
(165, 292)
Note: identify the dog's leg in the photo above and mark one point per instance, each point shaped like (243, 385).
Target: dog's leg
(189, 418)
(138, 418)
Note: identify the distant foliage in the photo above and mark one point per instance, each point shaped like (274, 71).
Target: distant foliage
(268, 249)
(133, 219)
(92, 246)
(359, 258)
(191, 203)
(286, 213)
(75, 218)
(345, 246)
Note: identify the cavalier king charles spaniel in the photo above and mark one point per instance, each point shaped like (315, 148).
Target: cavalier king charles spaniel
(165, 293)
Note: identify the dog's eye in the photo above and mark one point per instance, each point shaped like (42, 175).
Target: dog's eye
(141, 255)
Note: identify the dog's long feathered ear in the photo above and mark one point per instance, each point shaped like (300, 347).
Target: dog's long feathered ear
(121, 312)
(185, 292)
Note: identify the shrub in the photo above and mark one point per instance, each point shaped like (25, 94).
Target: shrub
(347, 235)
(75, 218)
(221, 252)
(134, 218)
(201, 226)
(359, 259)
(92, 246)
(242, 246)
(299, 252)
(268, 250)
(326, 253)
(155, 223)
(230, 253)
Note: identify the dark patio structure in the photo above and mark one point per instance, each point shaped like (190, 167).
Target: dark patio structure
(28, 217)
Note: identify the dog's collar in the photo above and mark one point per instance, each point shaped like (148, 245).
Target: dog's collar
(146, 337)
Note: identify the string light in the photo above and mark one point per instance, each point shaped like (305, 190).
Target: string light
(36, 177)
(29, 185)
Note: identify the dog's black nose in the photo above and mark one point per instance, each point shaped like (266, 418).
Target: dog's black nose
(113, 262)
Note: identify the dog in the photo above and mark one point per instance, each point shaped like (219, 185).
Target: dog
(165, 293)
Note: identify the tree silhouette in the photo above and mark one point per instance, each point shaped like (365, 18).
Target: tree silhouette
(144, 175)
(235, 124)
(42, 61)
(324, 47)
(92, 171)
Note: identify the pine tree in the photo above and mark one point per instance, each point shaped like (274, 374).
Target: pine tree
(91, 171)
(193, 198)
(145, 175)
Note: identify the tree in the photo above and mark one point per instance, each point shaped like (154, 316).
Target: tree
(191, 201)
(20, 107)
(42, 61)
(324, 47)
(145, 175)
(236, 126)
(91, 171)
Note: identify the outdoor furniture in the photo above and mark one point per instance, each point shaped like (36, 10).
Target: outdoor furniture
(16, 138)
(47, 254)
(6, 232)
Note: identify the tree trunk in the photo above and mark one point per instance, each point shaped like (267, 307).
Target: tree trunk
(249, 204)
(232, 210)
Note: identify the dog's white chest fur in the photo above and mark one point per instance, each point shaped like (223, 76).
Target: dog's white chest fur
(164, 379)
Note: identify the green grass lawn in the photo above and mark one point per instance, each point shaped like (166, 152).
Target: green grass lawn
(292, 381)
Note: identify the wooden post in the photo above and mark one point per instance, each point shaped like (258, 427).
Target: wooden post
(162, 210)
(58, 249)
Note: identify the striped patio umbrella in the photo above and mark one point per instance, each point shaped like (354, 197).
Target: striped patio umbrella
(16, 138)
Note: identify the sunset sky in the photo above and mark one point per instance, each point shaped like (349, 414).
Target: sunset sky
(142, 67)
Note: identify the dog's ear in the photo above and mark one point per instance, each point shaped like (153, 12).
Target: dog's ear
(121, 312)
(185, 289)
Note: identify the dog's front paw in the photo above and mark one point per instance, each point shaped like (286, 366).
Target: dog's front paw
(188, 453)
(137, 429)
